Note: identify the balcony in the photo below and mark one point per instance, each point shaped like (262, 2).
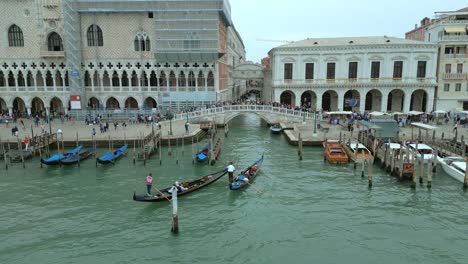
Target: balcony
(456, 56)
(454, 38)
(52, 54)
(455, 76)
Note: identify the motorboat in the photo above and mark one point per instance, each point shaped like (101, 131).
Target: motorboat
(357, 152)
(334, 152)
(276, 129)
(424, 150)
(455, 167)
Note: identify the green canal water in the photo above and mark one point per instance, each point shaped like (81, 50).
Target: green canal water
(296, 212)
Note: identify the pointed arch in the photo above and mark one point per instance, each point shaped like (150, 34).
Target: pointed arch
(162, 79)
(172, 79)
(106, 82)
(94, 35)
(93, 103)
(20, 77)
(58, 79)
(124, 79)
(210, 79)
(37, 105)
(182, 80)
(49, 79)
(29, 79)
(18, 105)
(115, 79)
(150, 103)
(191, 80)
(39, 79)
(136, 43)
(153, 79)
(131, 103)
(11, 79)
(54, 42)
(201, 80)
(134, 79)
(15, 36)
(56, 105)
(87, 79)
(112, 103)
(2, 80)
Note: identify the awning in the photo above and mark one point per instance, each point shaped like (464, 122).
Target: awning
(416, 113)
(424, 126)
(455, 29)
(340, 113)
(375, 113)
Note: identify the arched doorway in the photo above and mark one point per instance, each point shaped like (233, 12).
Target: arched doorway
(288, 98)
(330, 101)
(93, 103)
(309, 101)
(374, 101)
(418, 101)
(112, 103)
(37, 106)
(131, 103)
(150, 103)
(352, 101)
(18, 105)
(395, 101)
(3, 106)
(56, 105)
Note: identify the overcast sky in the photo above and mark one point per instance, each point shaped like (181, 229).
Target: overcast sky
(300, 19)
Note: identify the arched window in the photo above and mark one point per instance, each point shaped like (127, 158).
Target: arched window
(148, 44)
(137, 44)
(20, 79)
(15, 36)
(54, 42)
(95, 38)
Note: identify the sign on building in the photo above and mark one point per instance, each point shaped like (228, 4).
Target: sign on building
(75, 102)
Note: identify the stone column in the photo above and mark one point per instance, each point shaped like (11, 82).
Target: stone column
(384, 102)
(340, 101)
(15, 75)
(92, 83)
(119, 74)
(298, 99)
(10, 110)
(29, 111)
(35, 81)
(430, 100)
(319, 100)
(407, 101)
(53, 81)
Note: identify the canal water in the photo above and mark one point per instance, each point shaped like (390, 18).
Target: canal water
(296, 212)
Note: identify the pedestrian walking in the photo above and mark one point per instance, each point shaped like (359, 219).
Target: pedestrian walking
(93, 132)
(149, 183)
(187, 128)
(455, 127)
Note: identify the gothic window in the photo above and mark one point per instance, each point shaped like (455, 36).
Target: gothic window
(15, 36)
(54, 42)
(95, 38)
(137, 44)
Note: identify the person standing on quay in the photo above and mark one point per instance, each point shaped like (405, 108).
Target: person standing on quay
(187, 128)
(149, 183)
(230, 169)
(26, 143)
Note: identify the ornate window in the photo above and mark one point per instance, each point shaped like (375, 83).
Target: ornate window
(54, 42)
(95, 38)
(15, 36)
(142, 42)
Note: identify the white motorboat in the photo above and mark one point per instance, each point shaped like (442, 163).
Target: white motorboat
(424, 150)
(455, 167)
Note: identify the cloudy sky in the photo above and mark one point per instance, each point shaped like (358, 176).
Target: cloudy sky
(300, 19)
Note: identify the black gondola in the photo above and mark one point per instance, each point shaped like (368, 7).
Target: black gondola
(247, 176)
(74, 159)
(191, 187)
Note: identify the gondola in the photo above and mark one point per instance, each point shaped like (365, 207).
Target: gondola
(192, 186)
(202, 155)
(110, 157)
(74, 159)
(276, 129)
(55, 159)
(247, 176)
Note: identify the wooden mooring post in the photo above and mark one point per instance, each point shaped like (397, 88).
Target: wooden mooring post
(160, 150)
(370, 174)
(299, 152)
(169, 144)
(193, 154)
(175, 217)
(363, 162)
(20, 149)
(134, 151)
(415, 174)
(421, 168)
(465, 182)
(429, 174)
(177, 150)
(400, 171)
(5, 156)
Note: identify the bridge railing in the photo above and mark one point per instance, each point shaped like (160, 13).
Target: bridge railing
(245, 108)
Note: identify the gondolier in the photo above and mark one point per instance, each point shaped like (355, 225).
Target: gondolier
(230, 169)
(149, 183)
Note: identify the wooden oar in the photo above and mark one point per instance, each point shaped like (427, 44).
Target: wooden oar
(161, 193)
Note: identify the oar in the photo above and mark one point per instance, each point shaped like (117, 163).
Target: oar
(161, 193)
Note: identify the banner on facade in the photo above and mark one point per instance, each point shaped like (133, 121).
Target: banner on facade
(352, 102)
(75, 102)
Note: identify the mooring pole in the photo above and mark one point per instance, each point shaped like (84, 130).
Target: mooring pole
(370, 175)
(169, 144)
(20, 149)
(415, 173)
(134, 151)
(177, 150)
(300, 147)
(5, 156)
(429, 174)
(160, 150)
(175, 217)
(193, 154)
(421, 175)
(363, 167)
(465, 182)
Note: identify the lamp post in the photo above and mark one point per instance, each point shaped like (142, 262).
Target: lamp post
(170, 116)
(186, 109)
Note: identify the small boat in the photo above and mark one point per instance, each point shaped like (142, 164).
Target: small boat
(73, 159)
(55, 159)
(357, 152)
(247, 176)
(110, 157)
(394, 151)
(192, 186)
(334, 152)
(202, 155)
(455, 167)
(424, 150)
(276, 129)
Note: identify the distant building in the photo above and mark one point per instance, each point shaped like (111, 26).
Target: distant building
(120, 54)
(450, 31)
(355, 73)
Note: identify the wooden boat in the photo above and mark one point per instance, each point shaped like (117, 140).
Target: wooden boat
(110, 157)
(247, 176)
(77, 157)
(192, 186)
(276, 129)
(334, 152)
(15, 154)
(55, 159)
(203, 154)
(424, 150)
(455, 167)
(357, 152)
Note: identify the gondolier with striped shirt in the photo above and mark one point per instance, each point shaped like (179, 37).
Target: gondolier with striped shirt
(149, 183)
(230, 169)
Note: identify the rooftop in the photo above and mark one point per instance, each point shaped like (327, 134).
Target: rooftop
(356, 41)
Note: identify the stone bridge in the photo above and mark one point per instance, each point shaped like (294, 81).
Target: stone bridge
(224, 114)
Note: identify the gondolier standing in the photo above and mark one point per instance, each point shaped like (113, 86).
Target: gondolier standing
(230, 169)
(149, 183)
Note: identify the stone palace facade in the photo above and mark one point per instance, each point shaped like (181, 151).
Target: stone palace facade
(119, 54)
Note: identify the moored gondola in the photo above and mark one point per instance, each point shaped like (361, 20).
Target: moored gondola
(276, 129)
(247, 176)
(110, 157)
(55, 159)
(188, 187)
(203, 154)
(74, 159)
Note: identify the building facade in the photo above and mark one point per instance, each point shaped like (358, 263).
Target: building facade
(450, 31)
(355, 73)
(119, 54)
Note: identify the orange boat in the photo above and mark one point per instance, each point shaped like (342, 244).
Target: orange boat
(334, 152)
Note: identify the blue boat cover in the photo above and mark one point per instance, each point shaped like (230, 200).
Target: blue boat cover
(201, 156)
